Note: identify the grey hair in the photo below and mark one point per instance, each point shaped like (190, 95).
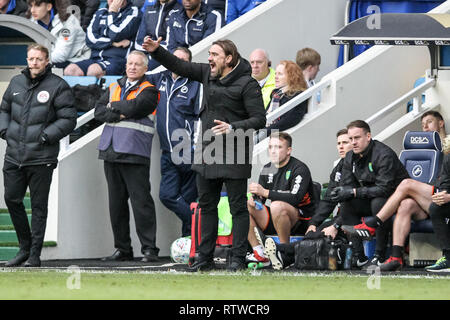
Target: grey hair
(139, 53)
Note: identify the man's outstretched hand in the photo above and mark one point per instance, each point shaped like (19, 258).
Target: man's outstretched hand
(151, 45)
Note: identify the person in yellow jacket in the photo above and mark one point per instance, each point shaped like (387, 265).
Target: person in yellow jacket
(263, 73)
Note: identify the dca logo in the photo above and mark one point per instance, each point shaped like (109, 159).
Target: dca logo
(419, 140)
(417, 171)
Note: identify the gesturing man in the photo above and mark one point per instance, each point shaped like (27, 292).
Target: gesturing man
(232, 103)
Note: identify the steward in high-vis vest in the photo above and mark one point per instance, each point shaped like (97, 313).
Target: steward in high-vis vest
(128, 109)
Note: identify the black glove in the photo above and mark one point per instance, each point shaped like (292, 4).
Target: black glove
(340, 194)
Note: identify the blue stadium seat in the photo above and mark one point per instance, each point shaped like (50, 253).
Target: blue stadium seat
(422, 156)
(84, 81)
(418, 82)
(110, 79)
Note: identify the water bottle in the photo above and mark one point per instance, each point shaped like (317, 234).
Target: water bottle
(255, 265)
(332, 257)
(258, 202)
(348, 257)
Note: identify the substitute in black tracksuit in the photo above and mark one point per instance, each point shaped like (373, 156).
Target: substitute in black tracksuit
(36, 112)
(371, 173)
(232, 100)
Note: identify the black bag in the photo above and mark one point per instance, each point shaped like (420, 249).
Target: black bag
(312, 254)
(87, 96)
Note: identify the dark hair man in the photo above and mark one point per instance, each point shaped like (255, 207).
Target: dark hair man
(36, 112)
(177, 116)
(231, 100)
(430, 200)
(128, 110)
(287, 182)
(370, 174)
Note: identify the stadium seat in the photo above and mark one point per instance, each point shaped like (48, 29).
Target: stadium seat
(422, 156)
(110, 79)
(85, 80)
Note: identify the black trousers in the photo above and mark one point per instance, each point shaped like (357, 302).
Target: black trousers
(354, 209)
(209, 197)
(131, 181)
(16, 181)
(441, 228)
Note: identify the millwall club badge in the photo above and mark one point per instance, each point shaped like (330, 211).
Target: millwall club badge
(43, 96)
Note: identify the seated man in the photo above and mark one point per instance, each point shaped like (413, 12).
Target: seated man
(433, 121)
(283, 255)
(154, 24)
(263, 73)
(188, 26)
(424, 200)
(287, 182)
(370, 174)
(309, 61)
(15, 7)
(109, 35)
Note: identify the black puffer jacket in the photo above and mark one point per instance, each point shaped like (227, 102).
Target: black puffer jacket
(236, 99)
(34, 110)
(376, 174)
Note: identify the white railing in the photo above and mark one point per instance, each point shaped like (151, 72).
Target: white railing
(64, 144)
(415, 94)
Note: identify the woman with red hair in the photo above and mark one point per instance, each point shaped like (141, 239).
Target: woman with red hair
(289, 82)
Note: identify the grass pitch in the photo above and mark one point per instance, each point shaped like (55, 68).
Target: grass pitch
(248, 285)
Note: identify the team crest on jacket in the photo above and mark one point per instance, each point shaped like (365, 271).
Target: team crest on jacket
(184, 89)
(65, 33)
(43, 96)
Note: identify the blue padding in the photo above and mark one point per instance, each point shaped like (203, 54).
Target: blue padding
(422, 165)
(84, 81)
(422, 140)
(445, 56)
(422, 226)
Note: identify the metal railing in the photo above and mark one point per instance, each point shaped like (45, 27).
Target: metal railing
(415, 95)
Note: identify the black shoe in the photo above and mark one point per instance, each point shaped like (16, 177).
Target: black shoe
(20, 258)
(236, 266)
(376, 261)
(204, 265)
(149, 256)
(360, 261)
(119, 256)
(33, 262)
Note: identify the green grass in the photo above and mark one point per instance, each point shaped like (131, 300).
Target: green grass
(180, 286)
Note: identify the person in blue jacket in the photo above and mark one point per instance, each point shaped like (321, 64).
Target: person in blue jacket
(192, 24)
(154, 24)
(109, 35)
(178, 111)
(236, 8)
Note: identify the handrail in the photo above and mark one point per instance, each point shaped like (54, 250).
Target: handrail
(414, 94)
(305, 95)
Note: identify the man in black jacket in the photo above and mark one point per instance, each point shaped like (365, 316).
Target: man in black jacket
(232, 108)
(17, 7)
(128, 109)
(370, 174)
(36, 112)
(432, 200)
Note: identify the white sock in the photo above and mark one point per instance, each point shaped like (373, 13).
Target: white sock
(260, 250)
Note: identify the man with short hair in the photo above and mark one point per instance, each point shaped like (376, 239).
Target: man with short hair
(370, 174)
(177, 117)
(109, 36)
(263, 73)
(128, 110)
(36, 112)
(287, 182)
(232, 106)
(192, 24)
(283, 255)
(309, 61)
(433, 121)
